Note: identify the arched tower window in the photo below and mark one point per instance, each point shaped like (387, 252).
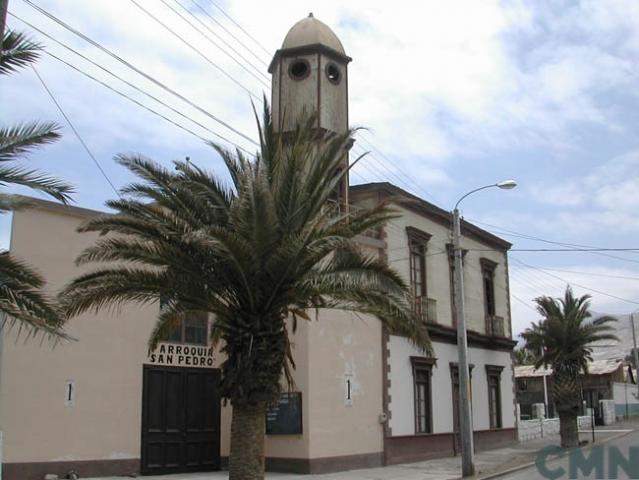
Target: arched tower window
(333, 73)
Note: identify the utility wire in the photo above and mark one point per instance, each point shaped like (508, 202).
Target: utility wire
(149, 109)
(197, 51)
(258, 58)
(77, 134)
(263, 81)
(139, 71)
(603, 275)
(396, 167)
(239, 26)
(576, 284)
(144, 92)
(513, 233)
(574, 250)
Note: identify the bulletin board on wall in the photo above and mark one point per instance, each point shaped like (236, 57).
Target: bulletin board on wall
(285, 416)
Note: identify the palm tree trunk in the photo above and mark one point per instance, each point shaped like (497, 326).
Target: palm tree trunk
(568, 430)
(246, 460)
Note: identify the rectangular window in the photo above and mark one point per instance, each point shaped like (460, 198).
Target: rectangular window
(417, 268)
(192, 330)
(493, 374)
(417, 241)
(488, 279)
(422, 393)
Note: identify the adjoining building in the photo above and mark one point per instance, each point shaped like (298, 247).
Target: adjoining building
(595, 386)
(103, 405)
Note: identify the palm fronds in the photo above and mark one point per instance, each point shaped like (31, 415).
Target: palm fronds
(21, 299)
(565, 334)
(256, 254)
(17, 51)
(17, 140)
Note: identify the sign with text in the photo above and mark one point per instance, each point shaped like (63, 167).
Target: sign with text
(285, 417)
(178, 355)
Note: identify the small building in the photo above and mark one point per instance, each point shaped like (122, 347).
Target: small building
(103, 405)
(596, 385)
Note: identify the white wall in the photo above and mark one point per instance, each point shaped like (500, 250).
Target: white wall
(401, 406)
(437, 270)
(626, 399)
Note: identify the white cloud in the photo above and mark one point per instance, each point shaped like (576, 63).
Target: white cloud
(605, 198)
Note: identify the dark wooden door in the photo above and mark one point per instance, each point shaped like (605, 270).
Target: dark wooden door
(180, 420)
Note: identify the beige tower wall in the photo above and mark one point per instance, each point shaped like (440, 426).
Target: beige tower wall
(333, 109)
(313, 94)
(296, 98)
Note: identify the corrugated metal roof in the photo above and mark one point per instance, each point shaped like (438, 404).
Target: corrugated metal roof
(596, 367)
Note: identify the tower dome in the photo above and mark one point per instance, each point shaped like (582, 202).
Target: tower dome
(311, 31)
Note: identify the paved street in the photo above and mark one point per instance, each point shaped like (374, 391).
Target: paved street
(487, 463)
(560, 469)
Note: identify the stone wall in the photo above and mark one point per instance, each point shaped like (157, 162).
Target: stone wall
(538, 428)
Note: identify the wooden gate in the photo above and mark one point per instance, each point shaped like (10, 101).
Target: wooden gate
(180, 420)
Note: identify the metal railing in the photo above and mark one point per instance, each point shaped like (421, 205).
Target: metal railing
(426, 308)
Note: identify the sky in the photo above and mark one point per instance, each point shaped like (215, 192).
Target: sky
(453, 95)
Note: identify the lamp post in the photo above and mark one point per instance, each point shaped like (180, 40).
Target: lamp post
(465, 416)
(634, 350)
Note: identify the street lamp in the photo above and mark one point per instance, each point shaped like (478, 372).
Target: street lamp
(634, 350)
(465, 416)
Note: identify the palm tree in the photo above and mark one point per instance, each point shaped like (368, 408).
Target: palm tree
(565, 336)
(21, 296)
(257, 254)
(523, 356)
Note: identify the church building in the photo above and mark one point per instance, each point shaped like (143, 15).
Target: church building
(102, 405)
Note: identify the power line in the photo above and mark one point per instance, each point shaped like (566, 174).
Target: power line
(576, 284)
(239, 26)
(68, 120)
(404, 174)
(139, 71)
(149, 109)
(196, 50)
(603, 275)
(574, 250)
(261, 80)
(248, 49)
(138, 89)
(513, 233)
(207, 14)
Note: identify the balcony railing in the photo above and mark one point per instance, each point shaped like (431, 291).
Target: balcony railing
(426, 308)
(495, 326)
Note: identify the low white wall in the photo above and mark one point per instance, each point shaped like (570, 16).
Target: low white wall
(607, 411)
(626, 399)
(538, 428)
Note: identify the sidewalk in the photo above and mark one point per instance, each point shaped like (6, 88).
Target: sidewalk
(486, 463)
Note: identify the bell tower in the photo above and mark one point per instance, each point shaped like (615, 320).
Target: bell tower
(310, 75)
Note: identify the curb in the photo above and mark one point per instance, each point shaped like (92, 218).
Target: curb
(531, 464)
